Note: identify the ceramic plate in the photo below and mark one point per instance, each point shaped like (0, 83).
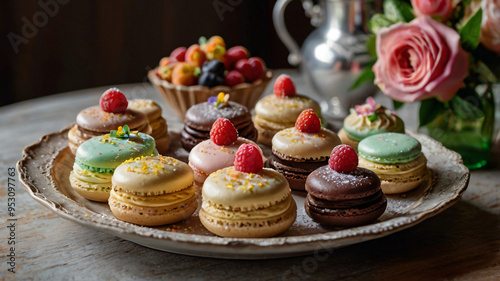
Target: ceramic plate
(45, 167)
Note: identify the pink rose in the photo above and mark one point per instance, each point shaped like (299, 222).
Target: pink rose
(490, 26)
(442, 8)
(420, 60)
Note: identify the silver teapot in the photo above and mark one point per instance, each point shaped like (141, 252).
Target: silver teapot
(333, 55)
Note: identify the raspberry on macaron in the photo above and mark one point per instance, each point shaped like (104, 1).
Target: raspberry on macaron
(308, 122)
(223, 132)
(113, 101)
(248, 159)
(343, 159)
(284, 87)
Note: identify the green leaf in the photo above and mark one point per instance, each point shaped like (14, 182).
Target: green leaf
(112, 133)
(397, 104)
(397, 10)
(126, 130)
(467, 104)
(377, 22)
(197, 71)
(470, 31)
(371, 45)
(485, 72)
(202, 40)
(372, 117)
(366, 75)
(429, 110)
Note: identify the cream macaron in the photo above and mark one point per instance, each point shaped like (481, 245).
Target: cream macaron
(153, 191)
(280, 110)
(246, 200)
(158, 124)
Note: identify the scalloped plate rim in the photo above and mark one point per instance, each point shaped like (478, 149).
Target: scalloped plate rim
(297, 245)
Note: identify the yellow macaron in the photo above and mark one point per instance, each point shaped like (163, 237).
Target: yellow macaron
(153, 191)
(244, 204)
(280, 110)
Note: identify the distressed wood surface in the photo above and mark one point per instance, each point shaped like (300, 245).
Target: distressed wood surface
(462, 243)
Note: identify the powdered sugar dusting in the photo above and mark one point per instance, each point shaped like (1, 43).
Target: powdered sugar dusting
(356, 179)
(206, 111)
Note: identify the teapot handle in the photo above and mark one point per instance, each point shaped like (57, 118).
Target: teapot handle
(295, 56)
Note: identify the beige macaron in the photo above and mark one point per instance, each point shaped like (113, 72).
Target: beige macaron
(247, 205)
(153, 191)
(158, 124)
(273, 114)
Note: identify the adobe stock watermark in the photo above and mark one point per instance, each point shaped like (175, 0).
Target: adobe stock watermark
(223, 6)
(48, 10)
(309, 264)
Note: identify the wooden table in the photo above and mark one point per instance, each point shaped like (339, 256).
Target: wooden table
(461, 243)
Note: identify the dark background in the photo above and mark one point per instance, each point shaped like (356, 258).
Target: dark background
(83, 44)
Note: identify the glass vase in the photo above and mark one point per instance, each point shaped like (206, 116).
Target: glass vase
(470, 136)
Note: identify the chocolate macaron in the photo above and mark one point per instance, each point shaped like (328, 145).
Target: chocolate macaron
(200, 118)
(344, 195)
(94, 121)
(299, 150)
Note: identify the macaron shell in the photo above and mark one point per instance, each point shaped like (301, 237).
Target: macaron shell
(347, 216)
(284, 109)
(390, 148)
(159, 127)
(267, 129)
(328, 184)
(234, 190)
(153, 176)
(108, 152)
(250, 228)
(307, 146)
(95, 119)
(203, 115)
(152, 216)
(74, 140)
(147, 107)
(399, 177)
(295, 171)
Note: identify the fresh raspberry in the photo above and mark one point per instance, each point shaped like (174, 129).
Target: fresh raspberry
(248, 159)
(308, 122)
(113, 101)
(223, 132)
(234, 78)
(178, 54)
(343, 159)
(284, 87)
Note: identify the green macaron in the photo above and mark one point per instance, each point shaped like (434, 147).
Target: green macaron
(390, 148)
(103, 154)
